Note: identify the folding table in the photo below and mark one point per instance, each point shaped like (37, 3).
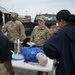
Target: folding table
(33, 66)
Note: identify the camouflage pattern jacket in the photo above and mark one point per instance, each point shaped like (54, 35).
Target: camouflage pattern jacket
(40, 35)
(15, 30)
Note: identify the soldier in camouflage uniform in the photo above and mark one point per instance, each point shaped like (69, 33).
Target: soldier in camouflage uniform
(53, 29)
(14, 28)
(40, 34)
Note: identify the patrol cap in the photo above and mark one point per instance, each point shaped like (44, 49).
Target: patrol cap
(13, 14)
(43, 18)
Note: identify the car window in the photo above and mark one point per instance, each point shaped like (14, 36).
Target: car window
(49, 17)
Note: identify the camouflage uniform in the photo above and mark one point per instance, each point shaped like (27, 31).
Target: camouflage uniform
(15, 31)
(53, 29)
(40, 35)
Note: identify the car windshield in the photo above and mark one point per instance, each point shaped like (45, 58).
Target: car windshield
(49, 17)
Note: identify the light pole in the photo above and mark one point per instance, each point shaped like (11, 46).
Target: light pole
(26, 12)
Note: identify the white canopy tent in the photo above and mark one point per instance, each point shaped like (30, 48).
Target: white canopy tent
(3, 10)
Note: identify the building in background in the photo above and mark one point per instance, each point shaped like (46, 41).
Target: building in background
(6, 14)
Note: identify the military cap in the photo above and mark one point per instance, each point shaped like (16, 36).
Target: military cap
(43, 18)
(13, 14)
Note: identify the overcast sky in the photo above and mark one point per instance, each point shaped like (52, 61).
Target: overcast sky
(33, 7)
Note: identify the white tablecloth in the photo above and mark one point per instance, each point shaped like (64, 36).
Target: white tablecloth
(33, 66)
